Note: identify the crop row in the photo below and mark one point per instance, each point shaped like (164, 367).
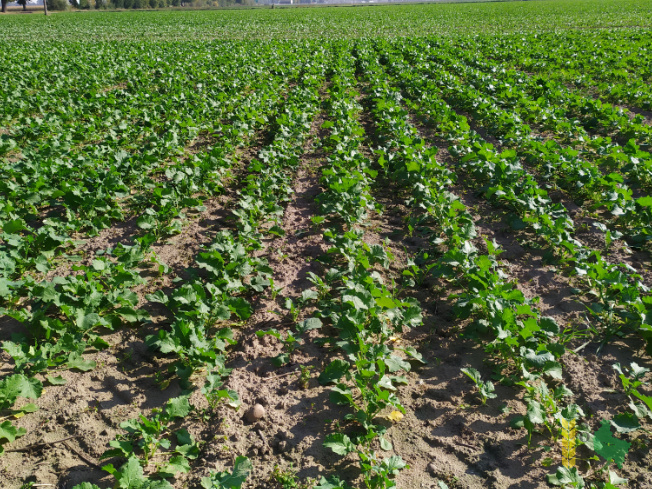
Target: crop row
(66, 315)
(505, 182)
(616, 69)
(523, 340)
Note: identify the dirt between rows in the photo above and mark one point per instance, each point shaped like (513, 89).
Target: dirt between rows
(446, 436)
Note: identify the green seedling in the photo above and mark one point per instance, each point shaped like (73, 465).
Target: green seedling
(485, 389)
(304, 376)
(225, 480)
(145, 436)
(289, 341)
(288, 479)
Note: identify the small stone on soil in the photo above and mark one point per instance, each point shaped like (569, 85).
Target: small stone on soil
(255, 413)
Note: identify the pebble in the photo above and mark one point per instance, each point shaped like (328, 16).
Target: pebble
(432, 468)
(255, 413)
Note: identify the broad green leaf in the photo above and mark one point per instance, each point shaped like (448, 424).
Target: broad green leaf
(385, 382)
(645, 201)
(178, 463)
(394, 364)
(394, 464)
(333, 482)
(472, 373)
(183, 437)
(340, 394)
(339, 443)
(414, 354)
(131, 315)
(146, 222)
(385, 444)
(188, 451)
(240, 307)
(625, 423)
(277, 231)
(646, 399)
(355, 301)
(280, 360)
(9, 432)
(155, 484)
(640, 410)
(334, 371)
(158, 296)
(385, 302)
(224, 480)
(549, 325)
(178, 407)
(615, 479)
(272, 332)
(99, 265)
(76, 361)
(535, 412)
(13, 227)
(19, 385)
(553, 369)
(130, 475)
(608, 447)
(310, 323)
(241, 470)
(565, 476)
(86, 320)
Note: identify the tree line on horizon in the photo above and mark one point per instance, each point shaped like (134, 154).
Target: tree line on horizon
(141, 4)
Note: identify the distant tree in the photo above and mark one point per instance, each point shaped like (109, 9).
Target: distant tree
(23, 3)
(57, 4)
(4, 6)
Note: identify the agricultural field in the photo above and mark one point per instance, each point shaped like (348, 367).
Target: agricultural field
(367, 247)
